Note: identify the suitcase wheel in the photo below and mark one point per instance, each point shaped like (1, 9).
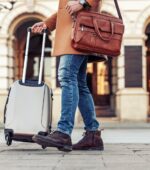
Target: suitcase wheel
(43, 147)
(8, 139)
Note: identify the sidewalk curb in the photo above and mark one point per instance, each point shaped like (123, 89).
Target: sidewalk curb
(109, 125)
(117, 125)
(125, 125)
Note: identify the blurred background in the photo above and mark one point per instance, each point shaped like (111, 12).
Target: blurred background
(120, 86)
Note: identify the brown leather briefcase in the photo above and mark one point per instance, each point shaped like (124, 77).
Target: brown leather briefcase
(100, 33)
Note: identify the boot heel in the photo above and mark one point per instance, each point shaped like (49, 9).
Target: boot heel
(97, 148)
(65, 148)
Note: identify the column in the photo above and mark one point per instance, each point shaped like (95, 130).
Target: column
(132, 96)
(4, 73)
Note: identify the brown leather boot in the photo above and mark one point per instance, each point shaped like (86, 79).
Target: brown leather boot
(91, 141)
(55, 139)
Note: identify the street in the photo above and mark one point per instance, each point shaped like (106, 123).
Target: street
(124, 149)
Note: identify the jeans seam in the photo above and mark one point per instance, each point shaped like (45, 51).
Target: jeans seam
(72, 90)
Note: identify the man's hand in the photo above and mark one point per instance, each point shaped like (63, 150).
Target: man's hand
(38, 27)
(73, 7)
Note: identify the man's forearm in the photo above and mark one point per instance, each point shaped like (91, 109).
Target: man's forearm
(51, 22)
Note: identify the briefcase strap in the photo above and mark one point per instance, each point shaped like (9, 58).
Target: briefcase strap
(118, 9)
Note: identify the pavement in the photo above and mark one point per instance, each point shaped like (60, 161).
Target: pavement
(125, 149)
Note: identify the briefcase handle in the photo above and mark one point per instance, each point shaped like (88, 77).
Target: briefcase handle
(29, 31)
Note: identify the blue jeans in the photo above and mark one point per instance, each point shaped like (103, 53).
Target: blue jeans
(75, 92)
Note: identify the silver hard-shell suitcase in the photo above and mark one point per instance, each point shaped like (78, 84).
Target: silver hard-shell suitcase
(28, 109)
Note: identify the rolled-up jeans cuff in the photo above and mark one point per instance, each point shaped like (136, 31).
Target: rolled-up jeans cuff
(62, 131)
(91, 129)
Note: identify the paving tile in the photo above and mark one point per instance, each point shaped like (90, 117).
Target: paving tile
(116, 156)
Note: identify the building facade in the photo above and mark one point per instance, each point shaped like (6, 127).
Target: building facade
(120, 86)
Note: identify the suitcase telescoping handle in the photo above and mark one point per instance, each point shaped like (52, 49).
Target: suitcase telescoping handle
(29, 31)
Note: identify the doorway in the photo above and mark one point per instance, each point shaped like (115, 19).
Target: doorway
(19, 44)
(99, 79)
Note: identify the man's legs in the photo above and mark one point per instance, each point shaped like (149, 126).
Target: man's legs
(69, 68)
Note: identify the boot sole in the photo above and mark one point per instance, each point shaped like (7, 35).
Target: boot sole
(90, 148)
(65, 148)
(45, 144)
